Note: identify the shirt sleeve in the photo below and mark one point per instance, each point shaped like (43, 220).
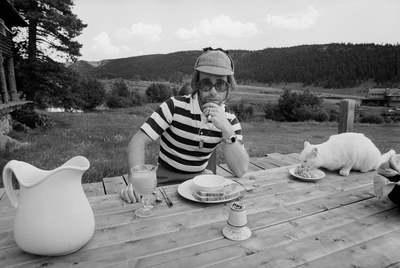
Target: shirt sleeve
(159, 120)
(237, 128)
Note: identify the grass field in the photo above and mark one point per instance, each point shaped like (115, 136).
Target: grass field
(103, 136)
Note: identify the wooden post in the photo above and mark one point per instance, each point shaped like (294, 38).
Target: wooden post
(346, 116)
(3, 83)
(11, 79)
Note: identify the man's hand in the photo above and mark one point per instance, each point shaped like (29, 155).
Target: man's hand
(127, 194)
(216, 114)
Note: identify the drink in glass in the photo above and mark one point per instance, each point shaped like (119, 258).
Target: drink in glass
(144, 180)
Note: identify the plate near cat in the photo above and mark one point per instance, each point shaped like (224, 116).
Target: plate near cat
(317, 174)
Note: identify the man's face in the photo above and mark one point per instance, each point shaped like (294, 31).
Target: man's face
(213, 88)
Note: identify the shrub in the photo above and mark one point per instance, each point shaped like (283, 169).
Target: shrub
(119, 88)
(121, 97)
(93, 93)
(243, 111)
(320, 115)
(113, 101)
(186, 89)
(272, 112)
(158, 92)
(333, 115)
(135, 98)
(29, 117)
(293, 106)
(371, 118)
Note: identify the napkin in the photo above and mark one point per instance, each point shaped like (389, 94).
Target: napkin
(230, 191)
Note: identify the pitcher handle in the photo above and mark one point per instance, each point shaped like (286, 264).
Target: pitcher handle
(7, 181)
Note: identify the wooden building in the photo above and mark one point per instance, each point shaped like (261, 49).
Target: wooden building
(383, 96)
(9, 17)
(9, 97)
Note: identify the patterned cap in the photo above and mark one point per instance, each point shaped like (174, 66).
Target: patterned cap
(214, 62)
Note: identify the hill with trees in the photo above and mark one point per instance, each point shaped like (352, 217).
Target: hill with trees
(329, 65)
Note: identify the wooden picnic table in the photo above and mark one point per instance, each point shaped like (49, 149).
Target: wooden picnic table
(335, 222)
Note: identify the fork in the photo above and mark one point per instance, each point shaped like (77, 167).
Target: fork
(248, 188)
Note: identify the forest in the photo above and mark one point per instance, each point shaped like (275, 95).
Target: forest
(331, 65)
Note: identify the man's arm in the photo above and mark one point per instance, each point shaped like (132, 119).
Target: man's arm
(236, 156)
(136, 149)
(136, 156)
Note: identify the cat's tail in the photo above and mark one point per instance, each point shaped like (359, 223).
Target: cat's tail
(386, 156)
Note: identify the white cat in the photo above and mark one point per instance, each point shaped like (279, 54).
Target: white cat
(345, 152)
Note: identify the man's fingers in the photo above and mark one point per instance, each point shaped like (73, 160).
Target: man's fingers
(124, 196)
(130, 193)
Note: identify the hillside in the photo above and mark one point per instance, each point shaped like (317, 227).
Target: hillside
(330, 65)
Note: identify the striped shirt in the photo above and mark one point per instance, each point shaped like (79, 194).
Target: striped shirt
(187, 140)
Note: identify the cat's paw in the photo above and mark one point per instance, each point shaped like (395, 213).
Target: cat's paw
(344, 172)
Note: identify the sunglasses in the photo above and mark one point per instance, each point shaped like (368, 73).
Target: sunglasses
(220, 85)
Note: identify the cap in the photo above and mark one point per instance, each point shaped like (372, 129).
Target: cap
(214, 62)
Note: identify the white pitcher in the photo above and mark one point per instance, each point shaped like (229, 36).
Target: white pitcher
(53, 215)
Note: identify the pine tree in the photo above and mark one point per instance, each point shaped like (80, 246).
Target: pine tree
(52, 28)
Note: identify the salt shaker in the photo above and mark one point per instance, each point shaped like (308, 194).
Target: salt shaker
(236, 228)
(237, 215)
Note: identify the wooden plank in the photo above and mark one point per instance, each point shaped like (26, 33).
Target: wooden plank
(379, 252)
(264, 182)
(301, 251)
(279, 234)
(264, 162)
(93, 189)
(346, 116)
(182, 237)
(223, 172)
(114, 185)
(295, 156)
(2, 193)
(282, 159)
(251, 168)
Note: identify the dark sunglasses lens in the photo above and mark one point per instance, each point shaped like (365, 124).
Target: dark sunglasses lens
(206, 84)
(221, 85)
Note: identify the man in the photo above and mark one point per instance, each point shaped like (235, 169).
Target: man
(192, 126)
(387, 183)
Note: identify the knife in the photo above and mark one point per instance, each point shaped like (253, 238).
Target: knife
(164, 194)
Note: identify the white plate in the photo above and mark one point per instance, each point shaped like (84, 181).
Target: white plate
(317, 175)
(185, 190)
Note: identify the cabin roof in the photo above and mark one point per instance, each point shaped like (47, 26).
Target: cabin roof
(10, 15)
(393, 92)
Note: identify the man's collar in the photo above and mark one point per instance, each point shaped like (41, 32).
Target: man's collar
(196, 103)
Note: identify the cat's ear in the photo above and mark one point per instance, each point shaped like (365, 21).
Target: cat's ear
(306, 144)
(314, 152)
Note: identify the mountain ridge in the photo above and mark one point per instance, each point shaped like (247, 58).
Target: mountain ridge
(328, 65)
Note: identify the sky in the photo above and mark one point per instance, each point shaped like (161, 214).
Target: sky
(125, 28)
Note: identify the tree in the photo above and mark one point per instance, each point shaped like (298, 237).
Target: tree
(52, 28)
(158, 92)
(92, 93)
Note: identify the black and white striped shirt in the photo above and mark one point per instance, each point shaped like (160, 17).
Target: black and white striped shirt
(187, 140)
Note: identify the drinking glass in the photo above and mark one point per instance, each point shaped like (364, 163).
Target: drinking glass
(144, 180)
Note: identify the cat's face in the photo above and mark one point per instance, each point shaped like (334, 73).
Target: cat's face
(309, 156)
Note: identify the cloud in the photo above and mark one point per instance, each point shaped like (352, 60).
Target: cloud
(221, 25)
(102, 43)
(295, 21)
(146, 31)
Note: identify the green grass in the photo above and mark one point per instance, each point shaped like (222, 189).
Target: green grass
(102, 137)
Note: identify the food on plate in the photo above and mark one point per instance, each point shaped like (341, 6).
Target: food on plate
(228, 192)
(303, 171)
